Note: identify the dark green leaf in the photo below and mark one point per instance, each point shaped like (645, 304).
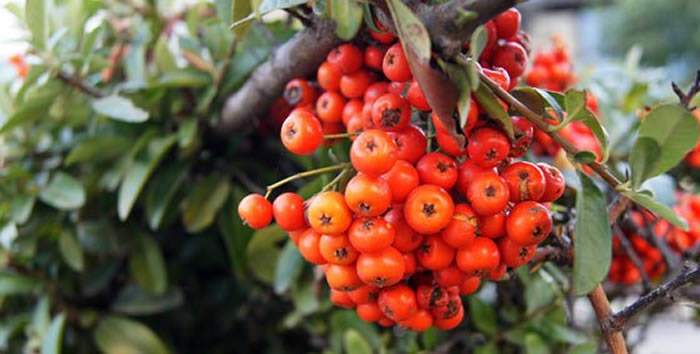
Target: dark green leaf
(483, 316)
(161, 191)
(139, 171)
(204, 201)
(16, 284)
(147, 265)
(53, 339)
(490, 103)
(37, 20)
(119, 108)
(347, 15)
(263, 249)
(21, 208)
(63, 192)
(234, 233)
(289, 267)
(355, 344)
(98, 148)
(592, 243)
(71, 251)
(133, 300)
(538, 100)
(534, 344)
(655, 207)
(675, 132)
(458, 75)
(488, 348)
(115, 334)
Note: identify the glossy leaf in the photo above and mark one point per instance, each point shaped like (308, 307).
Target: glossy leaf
(593, 240)
(118, 335)
(289, 267)
(63, 192)
(147, 265)
(119, 108)
(204, 201)
(347, 15)
(161, 191)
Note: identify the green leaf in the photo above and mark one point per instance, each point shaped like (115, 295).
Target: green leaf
(643, 159)
(270, 5)
(289, 267)
(414, 36)
(584, 157)
(204, 201)
(120, 335)
(674, 131)
(34, 106)
(161, 191)
(655, 207)
(489, 102)
(21, 208)
(63, 192)
(488, 348)
(53, 339)
(576, 110)
(478, 41)
(16, 284)
(71, 251)
(592, 244)
(97, 149)
(534, 344)
(538, 293)
(36, 16)
(347, 15)
(133, 300)
(234, 233)
(355, 344)
(242, 10)
(8, 235)
(538, 100)
(139, 171)
(119, 108)
(482, 315)
(180, 78)
(263, 250)
(585, 348)
(187, 134)
(147, 265)
(458, 75)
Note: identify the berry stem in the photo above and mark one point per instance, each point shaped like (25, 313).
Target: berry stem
(304, 174)
(340, 135)
(335, 180)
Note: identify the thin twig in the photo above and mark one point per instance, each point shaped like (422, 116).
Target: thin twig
(79, 84)
(687, 97)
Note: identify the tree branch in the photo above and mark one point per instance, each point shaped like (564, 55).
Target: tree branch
(601, 306)
(690, 274)
(687, 97)
(79, 84)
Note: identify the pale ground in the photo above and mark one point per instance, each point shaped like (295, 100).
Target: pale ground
(671, 333)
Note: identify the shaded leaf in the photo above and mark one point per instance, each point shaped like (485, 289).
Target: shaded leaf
(643, 159)
(263, 249)
(355, 344)
(204, 201)
(482, 316)
(234, 233)
(147, 265)
(161, 191)
(16, 284)
(34, 106)
(119, 108)
(71, 251)
(98, 148)
(133, 300)
(593, 240)
(120, 335)
(288, 268)
(21, 208)
(63, 192)
(534, 344)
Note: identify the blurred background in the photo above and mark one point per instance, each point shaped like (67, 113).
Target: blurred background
(615, 45)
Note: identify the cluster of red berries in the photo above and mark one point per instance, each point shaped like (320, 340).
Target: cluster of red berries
(413, 229)
(624, 271)
(552, 69)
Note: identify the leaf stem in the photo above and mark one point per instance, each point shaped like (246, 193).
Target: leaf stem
(304, 174)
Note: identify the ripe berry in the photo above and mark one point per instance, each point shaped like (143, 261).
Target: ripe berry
(328, 77)
(288, 209)
(354, 85)
(329, 107)
(449, 276)
(346, 57)
(367, 196)
(430, 296)
(529, 223)
(328, 214)
(398, 88)
(255, 211)
(525, 133)
(512, 57)
(369, 312)
(488, 147)
(373, 152)
(491, 40)
(352, 107)
(434, 253)
(416, 97)
(398, 302)
(374, 57)
(390, 111)
(410, 143)
(342, 277)
(462, 228)
(492, 226)
(395, 65)
(467, 172)
(402, 179)
(488, 194)
(371, 234)
(374, 91)
(337, 249)
(301, 132)
(478, 257)
(498, 273)
(514, 255)
(364, 294)
(406, 239)
(419, 322)
(381, 269)
(309, 247)
(554, 182)
(525, 181)
(299, 92)
(428, 209)
(500, 76)
(341, 299)
(508, 23)
(383, 37)
(469, 286)
(438, 169)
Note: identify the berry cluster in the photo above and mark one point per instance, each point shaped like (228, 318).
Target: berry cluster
(623, 269)
(552, 69)
(414, 228)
